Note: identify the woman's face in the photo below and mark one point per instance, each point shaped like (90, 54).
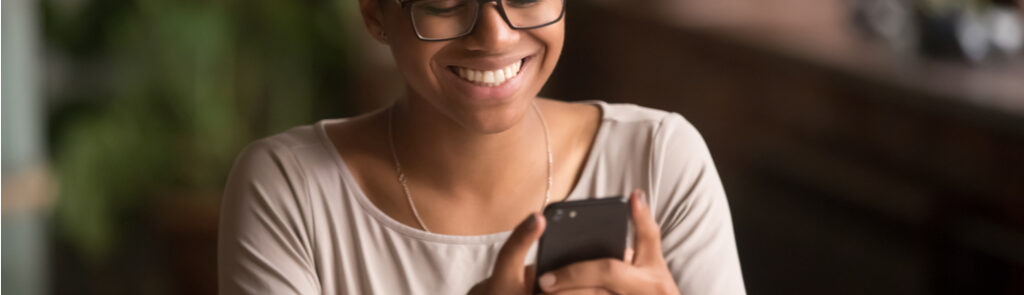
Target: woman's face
(449, 75)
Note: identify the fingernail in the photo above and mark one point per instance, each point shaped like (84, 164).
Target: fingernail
(547, 280)
(643, 198)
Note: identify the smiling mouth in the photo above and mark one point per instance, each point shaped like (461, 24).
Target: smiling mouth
(490, 78)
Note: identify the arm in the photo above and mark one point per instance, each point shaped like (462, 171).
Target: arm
(691, 209)
(264, 243)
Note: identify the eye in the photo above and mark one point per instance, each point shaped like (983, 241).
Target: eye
(442, 8)
(521, 3)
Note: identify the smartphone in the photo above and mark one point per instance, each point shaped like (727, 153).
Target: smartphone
(582, 230)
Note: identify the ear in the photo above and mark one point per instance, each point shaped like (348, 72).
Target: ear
(373, 17)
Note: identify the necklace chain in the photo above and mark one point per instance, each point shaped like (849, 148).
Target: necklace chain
(405, 186)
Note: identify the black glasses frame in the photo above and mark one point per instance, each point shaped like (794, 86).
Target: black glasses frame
(472, 26)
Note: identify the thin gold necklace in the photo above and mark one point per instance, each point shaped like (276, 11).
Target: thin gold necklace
(405, 187)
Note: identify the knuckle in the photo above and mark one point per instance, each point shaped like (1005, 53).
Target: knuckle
(667, 288)
(570, 272)
(611, 267)
(656, 233)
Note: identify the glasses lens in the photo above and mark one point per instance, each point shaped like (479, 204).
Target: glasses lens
(441, 19)
(532, 13)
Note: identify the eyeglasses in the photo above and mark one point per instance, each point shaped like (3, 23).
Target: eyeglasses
(440, 20)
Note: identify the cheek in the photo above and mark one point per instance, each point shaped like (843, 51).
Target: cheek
(552, 38)
(412, 56)
(414, 60)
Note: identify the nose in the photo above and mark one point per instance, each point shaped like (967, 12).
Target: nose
(491, 32)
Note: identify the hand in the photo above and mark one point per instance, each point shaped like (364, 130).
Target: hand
(509, 275)
(644, 272)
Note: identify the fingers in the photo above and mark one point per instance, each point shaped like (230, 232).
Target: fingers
(628, 256)
(510, 258)
(611, 274)
(648, 236)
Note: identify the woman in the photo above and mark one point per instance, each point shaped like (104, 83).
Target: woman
(438, 193)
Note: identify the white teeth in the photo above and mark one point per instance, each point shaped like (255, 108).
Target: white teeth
(490, 78)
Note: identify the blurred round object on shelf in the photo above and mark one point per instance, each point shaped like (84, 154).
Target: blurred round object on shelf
(890, 20)
(1006, 32)
(972, 36)
(977, 32)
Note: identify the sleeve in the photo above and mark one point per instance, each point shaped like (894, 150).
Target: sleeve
(263, 242)
(689, 204)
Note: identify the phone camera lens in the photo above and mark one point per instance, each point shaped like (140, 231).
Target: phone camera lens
(558, 215)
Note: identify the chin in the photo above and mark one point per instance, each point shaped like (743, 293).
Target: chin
(498, 119)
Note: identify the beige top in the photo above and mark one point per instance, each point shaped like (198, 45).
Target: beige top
(294, 220)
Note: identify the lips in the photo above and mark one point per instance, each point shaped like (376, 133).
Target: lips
(500, 70)
(489, 78)
(492, 81)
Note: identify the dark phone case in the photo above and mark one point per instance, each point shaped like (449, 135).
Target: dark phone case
(599, 230)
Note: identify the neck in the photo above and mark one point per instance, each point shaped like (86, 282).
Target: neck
(461, 162)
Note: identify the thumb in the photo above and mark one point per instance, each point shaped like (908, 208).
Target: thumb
(510, 258)
(648, 236)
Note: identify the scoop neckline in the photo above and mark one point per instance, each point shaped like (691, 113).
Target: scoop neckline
(411, 232)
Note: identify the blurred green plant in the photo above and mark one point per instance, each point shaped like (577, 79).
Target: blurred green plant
(161, 95)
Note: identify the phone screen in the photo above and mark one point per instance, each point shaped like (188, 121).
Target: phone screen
(583, 230)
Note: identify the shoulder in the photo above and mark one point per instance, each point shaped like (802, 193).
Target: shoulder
(274, 176)
(299, 143)
(290, 141)
(664, 151)
(631, 113)
(641, 115)
(658, 127)
(280, 159)
(623, 118)
(643, 147)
